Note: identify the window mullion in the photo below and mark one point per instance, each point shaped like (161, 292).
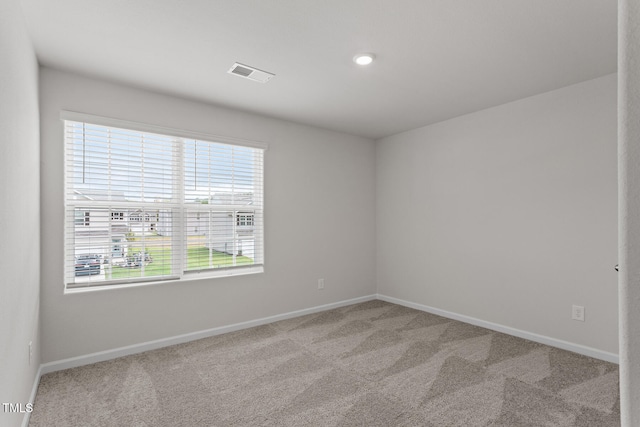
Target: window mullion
(179, 241)
(234, 234)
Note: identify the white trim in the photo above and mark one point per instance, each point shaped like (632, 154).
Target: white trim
(101, 356)
(187, 276)
(179, 339)
(144, 127)
(553, 342)
(32, 397)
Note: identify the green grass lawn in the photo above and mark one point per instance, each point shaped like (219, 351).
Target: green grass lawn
(197, 258)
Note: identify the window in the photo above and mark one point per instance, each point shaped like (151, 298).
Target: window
(153, 204)
(244, 219)
(140, 216)
(81, 218)
(117, 216)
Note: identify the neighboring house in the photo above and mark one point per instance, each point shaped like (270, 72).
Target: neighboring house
(224, 222)
(142, 222)
(229, 232)
(228, 224)
(99, 231)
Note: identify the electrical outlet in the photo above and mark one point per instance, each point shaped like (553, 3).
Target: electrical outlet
(320, 283)
(30, 352)
(577, 313)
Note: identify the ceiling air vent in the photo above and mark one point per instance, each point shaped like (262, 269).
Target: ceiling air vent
(250, 73)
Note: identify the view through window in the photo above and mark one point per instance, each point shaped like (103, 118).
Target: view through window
(148, 206)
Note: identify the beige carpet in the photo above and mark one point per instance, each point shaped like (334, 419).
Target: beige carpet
(369, 364)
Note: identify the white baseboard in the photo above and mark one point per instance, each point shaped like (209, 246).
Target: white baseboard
(553, 342)
(101, 356)
(165, 342)
(32, 397)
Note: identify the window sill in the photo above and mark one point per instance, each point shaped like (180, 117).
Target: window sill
(187, 277)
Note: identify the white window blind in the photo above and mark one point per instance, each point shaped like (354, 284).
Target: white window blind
(148, 206)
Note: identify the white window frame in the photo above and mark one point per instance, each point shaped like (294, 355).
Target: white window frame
(181, 272)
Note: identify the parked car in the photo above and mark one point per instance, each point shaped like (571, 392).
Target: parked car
(137, 259)
(130, 262)
(140, 257)
(87, 264)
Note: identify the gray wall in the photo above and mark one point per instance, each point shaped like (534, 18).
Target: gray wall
(319, 211)
(19, 211)
(508, 215)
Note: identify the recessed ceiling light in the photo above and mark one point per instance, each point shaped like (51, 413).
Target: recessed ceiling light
(364, 58)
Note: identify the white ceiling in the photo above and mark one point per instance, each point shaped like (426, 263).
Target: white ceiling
(436, 59)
